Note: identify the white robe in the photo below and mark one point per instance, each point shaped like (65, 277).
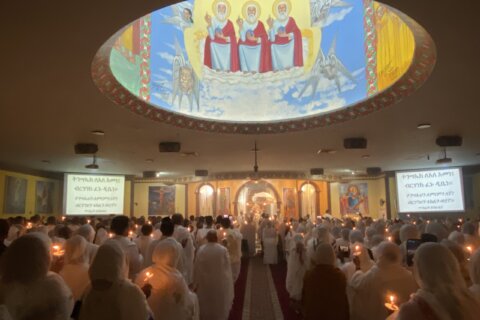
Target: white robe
(295, 273)
(181, 234)
(142, 243)
(76, 278)
(213, 280)
(270, 254)
(282, 54)
(134, 258)
(249, 56)
(234, 245)
(221, 53)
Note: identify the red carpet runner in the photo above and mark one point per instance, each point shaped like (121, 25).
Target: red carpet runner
(279, 274)
(237, 307)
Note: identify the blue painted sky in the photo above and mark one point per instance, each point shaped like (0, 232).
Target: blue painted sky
(275, 100)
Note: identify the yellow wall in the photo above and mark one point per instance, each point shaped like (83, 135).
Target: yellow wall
(236, 185)
(30, 197)
(140, 197)
(376, 191)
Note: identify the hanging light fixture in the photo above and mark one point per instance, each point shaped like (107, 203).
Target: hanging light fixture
(93, 165)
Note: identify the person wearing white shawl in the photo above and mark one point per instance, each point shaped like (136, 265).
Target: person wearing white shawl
(75, 268)
(27, 289)
(471, 236)
(111, 295)
(249, 231)
(14, 232)
(296, 267)
(213, 279)
(270, 239)
(443, 294)
(319, 235)
(365, 262)
(367, 291)
(457, 237)
(183, 236)
(101, 236)
(88, 233)
(407, 231)
(233, 239)
(475, 274)
(170, 298)
(437, 229)
(144, 239)
(120, 226)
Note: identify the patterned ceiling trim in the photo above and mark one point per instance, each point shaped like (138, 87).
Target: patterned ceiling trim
(419, 71)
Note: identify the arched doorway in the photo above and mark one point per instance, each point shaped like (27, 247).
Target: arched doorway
(309, 200)
(206, 200)
(257, 197)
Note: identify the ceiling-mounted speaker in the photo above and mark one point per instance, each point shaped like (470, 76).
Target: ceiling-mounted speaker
(355, 143)
(449, 141)
(149, 174)
(374, 171)
(316, 171)
(201, 173)
(86, 148)
(169, 147)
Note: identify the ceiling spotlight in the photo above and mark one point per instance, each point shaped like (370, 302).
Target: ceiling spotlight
(424, 126)
(353, 172)
(149, 160)
(326, 151)
(365, 156)
(97, 132)
(93, 165)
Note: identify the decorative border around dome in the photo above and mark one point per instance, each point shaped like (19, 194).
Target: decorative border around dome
(422, 66)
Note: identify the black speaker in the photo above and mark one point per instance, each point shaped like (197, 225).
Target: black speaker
(449, 141)
(169, 147)
(355, 143)
(374, 171)
(149, 174)
(86, 148)
(316, 171)
(201, 173)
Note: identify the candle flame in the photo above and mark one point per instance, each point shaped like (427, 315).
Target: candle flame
(470, 249)
(392, 299)
(389, 239)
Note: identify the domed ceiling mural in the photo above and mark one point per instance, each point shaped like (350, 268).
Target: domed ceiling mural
(264, 66)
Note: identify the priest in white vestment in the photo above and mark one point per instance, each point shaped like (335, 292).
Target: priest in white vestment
(248, 230)
(170, 298)
(285, 37)
(270, 240)
(213, 280)
(368, 291)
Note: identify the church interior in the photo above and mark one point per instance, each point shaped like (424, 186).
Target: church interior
(306, 143)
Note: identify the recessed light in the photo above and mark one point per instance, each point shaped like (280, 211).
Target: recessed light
(149, 160)
(97, 132)
(365, 156)
(424, 126)
(353, 172)
(327, 151)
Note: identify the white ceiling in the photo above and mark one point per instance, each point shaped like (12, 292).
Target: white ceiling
(48, 101)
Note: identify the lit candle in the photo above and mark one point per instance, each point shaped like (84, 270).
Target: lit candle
(57, 250)
(389, 239)
(354, 228)
(470, 251)
(428, 221)
(130, 234)
(408, 215)
(386, 229)
(149, 222)
(110, 235)
(151, 235)
(29, 225)
(460, 220)
(357, 251)
(390, 304)
(148, 275)
(63, 218)
(224, 234)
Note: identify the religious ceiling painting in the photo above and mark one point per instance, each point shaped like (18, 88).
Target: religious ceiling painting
(269, 65)
(353, 198)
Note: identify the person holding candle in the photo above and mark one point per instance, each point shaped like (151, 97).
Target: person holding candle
(361, 257)
(324, 288)
(270, 239)
(111, 295)
(170, 298)
(233, 239)
(27, 289)
(367, 290)
(443, 294)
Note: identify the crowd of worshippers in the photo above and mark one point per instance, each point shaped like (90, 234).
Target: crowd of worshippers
(118, 268)
(176, 268)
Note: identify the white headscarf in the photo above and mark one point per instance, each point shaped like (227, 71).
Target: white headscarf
(457, 237)
(438, 275)
(109, 264)
(87, 232)
(437, 229)
(76, 250)
(409, 231)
